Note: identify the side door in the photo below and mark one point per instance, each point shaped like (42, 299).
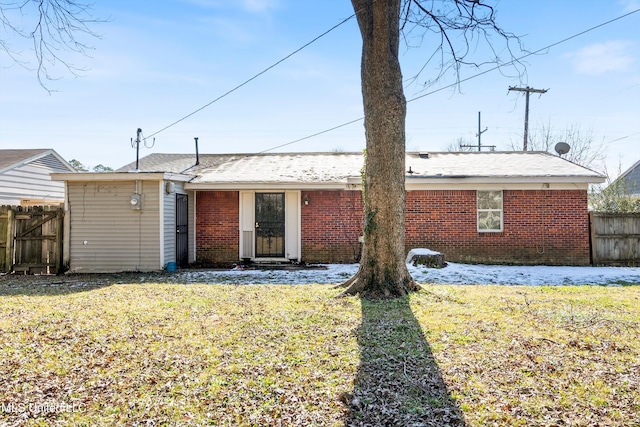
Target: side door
(182, 229)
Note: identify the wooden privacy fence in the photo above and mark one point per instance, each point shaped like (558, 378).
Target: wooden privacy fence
(615, 238)
(31, 239)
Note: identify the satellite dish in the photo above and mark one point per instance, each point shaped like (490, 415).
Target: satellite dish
(562, 148)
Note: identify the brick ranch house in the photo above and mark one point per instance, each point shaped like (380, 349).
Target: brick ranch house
(497, 207)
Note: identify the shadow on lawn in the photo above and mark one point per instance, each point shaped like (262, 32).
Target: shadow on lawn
(398, 381)
(15, 284)
(63, 284)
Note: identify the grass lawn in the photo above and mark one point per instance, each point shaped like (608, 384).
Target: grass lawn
(224, 355)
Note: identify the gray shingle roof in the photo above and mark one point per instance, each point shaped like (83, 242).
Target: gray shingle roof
(11, 157)
(161, 162)
(338, 167)
(516, 164)
(631, 178)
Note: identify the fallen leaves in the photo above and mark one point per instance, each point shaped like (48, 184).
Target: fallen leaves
(174, 354)
(541, 363)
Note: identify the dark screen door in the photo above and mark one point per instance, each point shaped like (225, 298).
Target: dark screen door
(182, 226)
(269, 225)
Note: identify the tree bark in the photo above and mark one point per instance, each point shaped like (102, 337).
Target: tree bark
(383, 271)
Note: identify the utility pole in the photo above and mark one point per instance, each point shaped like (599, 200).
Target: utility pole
(527, 90)
(137, 143)
(479, 134)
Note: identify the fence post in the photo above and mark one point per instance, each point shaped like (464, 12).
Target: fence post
(592, 238)
(59, 240)
(9, 249)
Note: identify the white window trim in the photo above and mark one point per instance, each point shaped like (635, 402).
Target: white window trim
(501, 211)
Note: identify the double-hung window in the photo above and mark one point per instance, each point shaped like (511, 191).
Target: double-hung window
(489, 211)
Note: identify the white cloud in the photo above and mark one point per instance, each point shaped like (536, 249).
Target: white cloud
(253, 6)
(259, 5)
(630, 5)
(601, 58)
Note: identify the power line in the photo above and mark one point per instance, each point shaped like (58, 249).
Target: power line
(255, 76)
(409, 100)
(313, 135)
(468, 78)
(622, 137)
(525, 56)
(527, 90)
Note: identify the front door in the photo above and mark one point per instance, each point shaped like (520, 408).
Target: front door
(270, 225)
(182, 226)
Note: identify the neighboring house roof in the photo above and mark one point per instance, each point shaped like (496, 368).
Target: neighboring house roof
(226, 170)
(631, 178)
(11, 159)
(25, 176)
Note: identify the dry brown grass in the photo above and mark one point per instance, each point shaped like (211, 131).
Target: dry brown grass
(167, 354)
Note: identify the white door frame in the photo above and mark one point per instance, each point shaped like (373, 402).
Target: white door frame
(293, 235)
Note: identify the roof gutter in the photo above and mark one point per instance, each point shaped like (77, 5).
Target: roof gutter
(452, 179)
(120, 176)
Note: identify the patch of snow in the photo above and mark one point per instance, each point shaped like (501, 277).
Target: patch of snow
(420, 251)
(455, 274)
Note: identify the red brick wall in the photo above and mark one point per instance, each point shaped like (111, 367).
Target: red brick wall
(540, 226)
(331, 226)
(217, 227)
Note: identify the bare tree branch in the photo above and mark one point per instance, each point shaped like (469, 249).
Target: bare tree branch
(460, 26)
(52, 28)
(585, 151)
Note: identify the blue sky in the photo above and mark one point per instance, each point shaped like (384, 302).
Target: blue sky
(158, 61)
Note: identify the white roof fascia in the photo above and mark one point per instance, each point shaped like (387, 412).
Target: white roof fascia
(410, 186)
(507, 180)
(497, 186)
(229, 186)
(414, 183)
(120, 176)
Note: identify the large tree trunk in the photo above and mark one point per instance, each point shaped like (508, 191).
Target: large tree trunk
(382, 271)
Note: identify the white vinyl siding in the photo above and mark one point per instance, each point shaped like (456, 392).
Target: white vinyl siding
(106, 234)
(32, 181)
(168, 223)
(489, 204)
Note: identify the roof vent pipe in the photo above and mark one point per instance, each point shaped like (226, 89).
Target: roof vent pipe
(197, 155)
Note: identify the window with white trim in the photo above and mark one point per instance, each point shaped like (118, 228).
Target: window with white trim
(489, 211)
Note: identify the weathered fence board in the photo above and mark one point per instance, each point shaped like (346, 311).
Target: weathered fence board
(615, 238)
(31, 239)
